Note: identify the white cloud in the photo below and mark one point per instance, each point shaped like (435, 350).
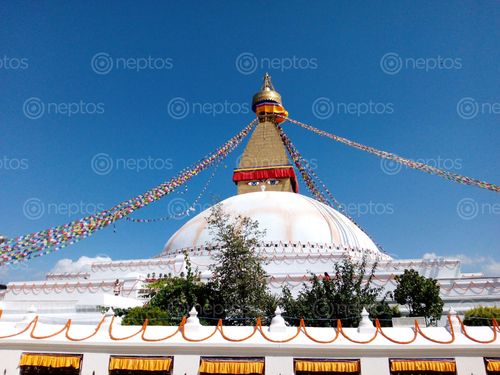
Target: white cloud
(484, 264)
(492, 268)
(81, 265)
(428, 256)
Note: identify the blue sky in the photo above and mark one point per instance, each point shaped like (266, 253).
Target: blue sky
(164, 83)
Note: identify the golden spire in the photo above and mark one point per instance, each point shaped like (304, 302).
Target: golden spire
(264, 165)
(267, 93)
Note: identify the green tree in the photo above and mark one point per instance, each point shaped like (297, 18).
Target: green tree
(482, 316)
(137, 315)
(171, 299)
(339, 296)
(238, 281)
(419, 294)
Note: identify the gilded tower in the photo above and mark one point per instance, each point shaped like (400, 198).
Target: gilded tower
(264, 164)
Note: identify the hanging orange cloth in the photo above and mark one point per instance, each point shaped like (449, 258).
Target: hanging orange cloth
(272, 108)
(493, 364)
(311, 365)
(222, 366)
(442, 365)
(140, 363)
(50, 360)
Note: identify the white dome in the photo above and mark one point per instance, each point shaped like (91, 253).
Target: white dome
(286, 218)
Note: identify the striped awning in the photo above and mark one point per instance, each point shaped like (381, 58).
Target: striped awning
(442, 365)
(327, 365)
(50, 360)
(492, 364)
(140, 363)
(231, 366)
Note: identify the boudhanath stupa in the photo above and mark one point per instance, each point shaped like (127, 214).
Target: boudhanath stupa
(65, 324)
(302, 235)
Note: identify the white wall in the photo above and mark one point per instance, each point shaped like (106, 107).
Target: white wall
(279, 366)
(375, 366)
(186, 364)
(9, 361)
(470, 366)
(95, 364)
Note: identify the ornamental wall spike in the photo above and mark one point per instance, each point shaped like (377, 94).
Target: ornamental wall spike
(278, 324)
(366, 325)
(453, 321)
(193, 322)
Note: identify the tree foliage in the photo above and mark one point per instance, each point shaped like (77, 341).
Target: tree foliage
(237, 291)
(238, 277)
(155, 315)
(482, 316)
(419, 294)
(170, 299)
(339, 296)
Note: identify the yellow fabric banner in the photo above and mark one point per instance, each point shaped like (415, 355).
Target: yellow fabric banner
(231, 367)
(493, 364)
(142, 364)
(423, 365)
(50, 360)
(324, 366)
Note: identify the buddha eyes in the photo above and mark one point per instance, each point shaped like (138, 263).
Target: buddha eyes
(269, 182)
